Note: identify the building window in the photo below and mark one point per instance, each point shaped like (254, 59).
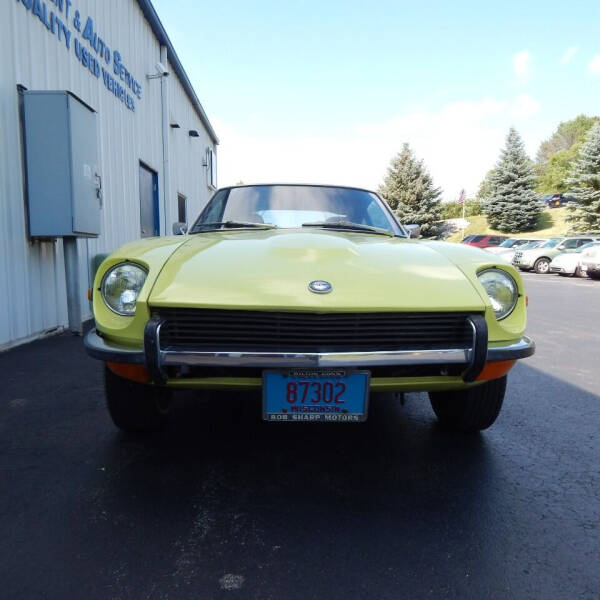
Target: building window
(211, 163)
(181, 208)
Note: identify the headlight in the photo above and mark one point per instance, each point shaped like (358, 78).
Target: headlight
(121, 287)
(502, 290)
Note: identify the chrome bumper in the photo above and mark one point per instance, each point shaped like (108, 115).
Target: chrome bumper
(156, 359)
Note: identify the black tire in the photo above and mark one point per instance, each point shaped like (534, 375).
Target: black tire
(593, 275)
(472, 409)
(135, 406)
(542, 266)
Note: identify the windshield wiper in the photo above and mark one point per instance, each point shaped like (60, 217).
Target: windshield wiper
(230, 225)
(349, 226)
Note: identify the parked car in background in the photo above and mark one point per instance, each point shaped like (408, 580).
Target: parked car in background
(590, 261)
(569, 263)
(505, 245)
(557, 200)
(509, 253)
(539, 259)
(509, 244)
(484, 241)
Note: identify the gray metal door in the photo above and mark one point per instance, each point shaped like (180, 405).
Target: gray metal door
(148, 202)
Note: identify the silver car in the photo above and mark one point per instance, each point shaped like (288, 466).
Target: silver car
(569, 263)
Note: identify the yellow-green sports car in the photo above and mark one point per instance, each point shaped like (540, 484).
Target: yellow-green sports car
(315, 295)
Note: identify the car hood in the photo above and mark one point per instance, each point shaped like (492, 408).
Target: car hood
(271, 269)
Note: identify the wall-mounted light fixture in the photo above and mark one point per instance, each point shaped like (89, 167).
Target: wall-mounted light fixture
(193, 133)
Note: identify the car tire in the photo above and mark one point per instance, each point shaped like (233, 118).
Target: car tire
(472, 409)
(593, 275)
(542, 266)
(135, 406)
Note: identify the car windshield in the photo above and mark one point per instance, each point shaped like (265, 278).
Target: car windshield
(587, 246)
(509, 243)
(528, 245)
(295, 206)
(551, 243)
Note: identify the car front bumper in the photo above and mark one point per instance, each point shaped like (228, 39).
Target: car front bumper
(158, 360)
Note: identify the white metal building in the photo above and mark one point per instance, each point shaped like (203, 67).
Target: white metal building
(156, 161)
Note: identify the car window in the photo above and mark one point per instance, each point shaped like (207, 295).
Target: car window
(583, 242)
(477, 238)
(509, 243)
(495, 239)
(569, 244)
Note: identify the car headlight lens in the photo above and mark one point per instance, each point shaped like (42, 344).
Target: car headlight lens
(121, 287)
(501, 289)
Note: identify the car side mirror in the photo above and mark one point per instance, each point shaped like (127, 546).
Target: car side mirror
(179, 228)
(413, 230)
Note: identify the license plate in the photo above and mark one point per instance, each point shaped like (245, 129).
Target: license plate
(330, 395)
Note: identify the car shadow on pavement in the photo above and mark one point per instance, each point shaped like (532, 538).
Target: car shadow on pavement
(221, 504)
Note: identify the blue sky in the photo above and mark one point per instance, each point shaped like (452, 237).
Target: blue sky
(329, 91)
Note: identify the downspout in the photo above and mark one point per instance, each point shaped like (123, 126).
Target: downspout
(166, 189)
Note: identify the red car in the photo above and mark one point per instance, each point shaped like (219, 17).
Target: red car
(484, 241)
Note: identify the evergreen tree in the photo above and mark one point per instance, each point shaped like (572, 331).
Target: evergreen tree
(584, 184)
(408, 189)
(512, 204)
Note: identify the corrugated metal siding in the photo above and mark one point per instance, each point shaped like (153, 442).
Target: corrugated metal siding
(32, 281)
(188, 176)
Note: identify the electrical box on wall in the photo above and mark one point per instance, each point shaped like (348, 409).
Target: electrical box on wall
(64, 191)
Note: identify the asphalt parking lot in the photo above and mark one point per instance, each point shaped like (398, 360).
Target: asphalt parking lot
(221, 505)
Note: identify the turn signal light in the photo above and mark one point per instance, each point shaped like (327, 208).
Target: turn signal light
(137, 373)
(494, 370)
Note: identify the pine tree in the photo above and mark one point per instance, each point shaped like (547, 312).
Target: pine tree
(408, 189)
(513, 205)
(584, 185)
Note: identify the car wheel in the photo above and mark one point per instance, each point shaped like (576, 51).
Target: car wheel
(135, 406)
(593, 275)
(472, 409)
(542, 266)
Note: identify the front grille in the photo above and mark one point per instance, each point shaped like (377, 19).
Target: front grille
(262, 331)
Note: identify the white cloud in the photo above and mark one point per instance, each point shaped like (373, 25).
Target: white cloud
(522, 64)
(569, 54)
(459, 143)
(594, 65)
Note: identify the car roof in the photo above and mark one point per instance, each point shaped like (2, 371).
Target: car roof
(322, 185)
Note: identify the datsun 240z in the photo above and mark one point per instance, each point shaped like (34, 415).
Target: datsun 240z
(315, 295)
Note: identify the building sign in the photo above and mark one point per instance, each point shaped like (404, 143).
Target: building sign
(79, 35)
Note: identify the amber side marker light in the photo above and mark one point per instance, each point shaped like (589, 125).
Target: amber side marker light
(137, 373)
(493, 370)
(89, 294)
(526, 300)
